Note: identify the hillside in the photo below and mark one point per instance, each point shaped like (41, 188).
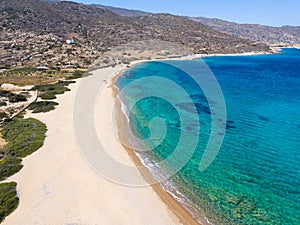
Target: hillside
(33, 32)
(124, 12)
(286, 35)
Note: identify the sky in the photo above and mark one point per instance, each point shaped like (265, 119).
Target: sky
(265, 12)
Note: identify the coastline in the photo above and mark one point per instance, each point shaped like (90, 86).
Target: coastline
(49, 180)
(180, 211)
(176, 207)
(184, 216)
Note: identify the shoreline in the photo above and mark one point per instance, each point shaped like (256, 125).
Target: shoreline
(184, 216)
(181, 212)
(48, 180)
(137, 160)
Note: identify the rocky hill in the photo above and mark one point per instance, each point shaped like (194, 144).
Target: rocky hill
(124, 12)
(286, 35)
(34, 32)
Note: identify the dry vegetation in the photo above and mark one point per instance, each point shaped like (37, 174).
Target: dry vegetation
(34, 33)
(32, 76)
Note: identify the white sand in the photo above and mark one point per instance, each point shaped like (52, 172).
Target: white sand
(56, 186)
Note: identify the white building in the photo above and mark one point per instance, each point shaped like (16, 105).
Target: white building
(70, 42)
(165, 52)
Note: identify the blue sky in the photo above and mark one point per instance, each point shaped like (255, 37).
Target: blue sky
(267, 12)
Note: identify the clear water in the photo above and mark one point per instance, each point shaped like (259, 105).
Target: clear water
(255, 178)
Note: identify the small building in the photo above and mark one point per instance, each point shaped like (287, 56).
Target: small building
(42, 68)
(165, 52)
(70, 42)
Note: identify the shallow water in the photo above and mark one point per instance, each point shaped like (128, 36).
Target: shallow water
(255, 178)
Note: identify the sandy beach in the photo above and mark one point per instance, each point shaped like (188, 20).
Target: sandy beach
(56, 185)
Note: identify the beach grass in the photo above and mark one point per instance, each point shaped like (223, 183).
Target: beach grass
(8, 199)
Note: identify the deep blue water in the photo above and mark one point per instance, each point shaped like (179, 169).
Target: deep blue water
(255, 178)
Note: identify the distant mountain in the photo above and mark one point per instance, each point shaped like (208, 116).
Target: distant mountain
(124, 12)
(286, 35)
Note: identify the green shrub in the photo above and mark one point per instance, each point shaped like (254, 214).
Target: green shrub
(24, 136)
(49, 91)
(3, 103)
(47, 96)
(17, 98)
(8, 199)
(76, 74)
(65, 82)
(42, 106)
(9, 165)
(3, 115)
(4, 93)
(13, 97)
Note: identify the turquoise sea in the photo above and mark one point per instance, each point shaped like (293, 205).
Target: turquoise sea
(255, 178)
